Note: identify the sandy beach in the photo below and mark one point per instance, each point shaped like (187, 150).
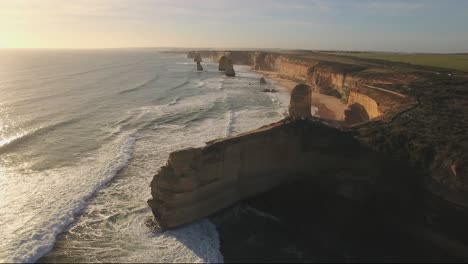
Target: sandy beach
(324, 106)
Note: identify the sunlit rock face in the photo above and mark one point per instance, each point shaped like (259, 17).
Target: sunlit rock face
(230, 68)
(301, 102)
(197, 182)
(413, 113)
(223, 63)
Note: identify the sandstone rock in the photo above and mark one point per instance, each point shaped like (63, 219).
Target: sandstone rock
(223, 63)
(197, 58)
(269, 90)
(396, 121)
(199, 67)
(262, 81)
(301, 102)
(198, 182)
(356, 114)
(230, 68)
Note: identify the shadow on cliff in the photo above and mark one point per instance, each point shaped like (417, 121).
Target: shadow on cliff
(306, 221)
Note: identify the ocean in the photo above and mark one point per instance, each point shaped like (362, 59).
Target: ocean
(82, 132)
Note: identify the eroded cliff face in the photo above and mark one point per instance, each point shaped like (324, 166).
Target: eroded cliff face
(198, 182)
(294, 70)
(330, 78)
(414, 115)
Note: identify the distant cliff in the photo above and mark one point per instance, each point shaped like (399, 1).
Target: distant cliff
(360, 81)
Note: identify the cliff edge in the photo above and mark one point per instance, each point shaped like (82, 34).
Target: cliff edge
(403, 148)
(413, 113)
(198, 182)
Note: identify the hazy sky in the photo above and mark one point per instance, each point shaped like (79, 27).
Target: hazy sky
(419, 25)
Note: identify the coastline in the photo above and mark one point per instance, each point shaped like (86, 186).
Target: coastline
(324, 106)
(370, 179)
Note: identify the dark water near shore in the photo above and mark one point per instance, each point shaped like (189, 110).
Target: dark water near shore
(83, 132)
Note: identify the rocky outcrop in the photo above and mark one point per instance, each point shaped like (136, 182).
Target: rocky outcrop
(197, 182)
(269, 91)
(198, 60)
(229, 70)
(410, 115)
(301, 102)
(223, 63)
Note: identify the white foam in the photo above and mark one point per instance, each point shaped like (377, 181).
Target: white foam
(263, 214)
(314, 111)
(175, 101)
(110, 227)
(66, 200)
(8, 140)
(232, 116)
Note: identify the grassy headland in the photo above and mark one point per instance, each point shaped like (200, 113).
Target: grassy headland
(450, 61)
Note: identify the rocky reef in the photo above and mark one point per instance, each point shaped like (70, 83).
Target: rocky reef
(398, 162)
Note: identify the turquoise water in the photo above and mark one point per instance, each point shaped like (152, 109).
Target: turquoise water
(83, 132)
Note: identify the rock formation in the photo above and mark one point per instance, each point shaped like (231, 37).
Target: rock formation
(230, 68)
(223, 63)
(198, 60)
(197, 182)
(269, 91)
(356, 114)
(415, 116)
(262, 80)
(301, 102)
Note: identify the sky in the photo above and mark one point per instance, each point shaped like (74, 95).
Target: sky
(375, 25)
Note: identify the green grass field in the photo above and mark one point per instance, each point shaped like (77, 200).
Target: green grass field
(450, 61)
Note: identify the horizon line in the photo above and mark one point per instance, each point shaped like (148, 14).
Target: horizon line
(228, 48)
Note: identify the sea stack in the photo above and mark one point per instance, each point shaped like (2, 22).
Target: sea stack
(301, 102)
(230, 68)
(223, 63)
(198, 60)
(262, 81)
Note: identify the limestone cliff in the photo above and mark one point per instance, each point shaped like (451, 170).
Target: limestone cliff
(197, 182)
(331, 77)
(403, 111)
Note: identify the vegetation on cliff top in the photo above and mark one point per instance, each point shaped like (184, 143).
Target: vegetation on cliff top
(450, 61)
